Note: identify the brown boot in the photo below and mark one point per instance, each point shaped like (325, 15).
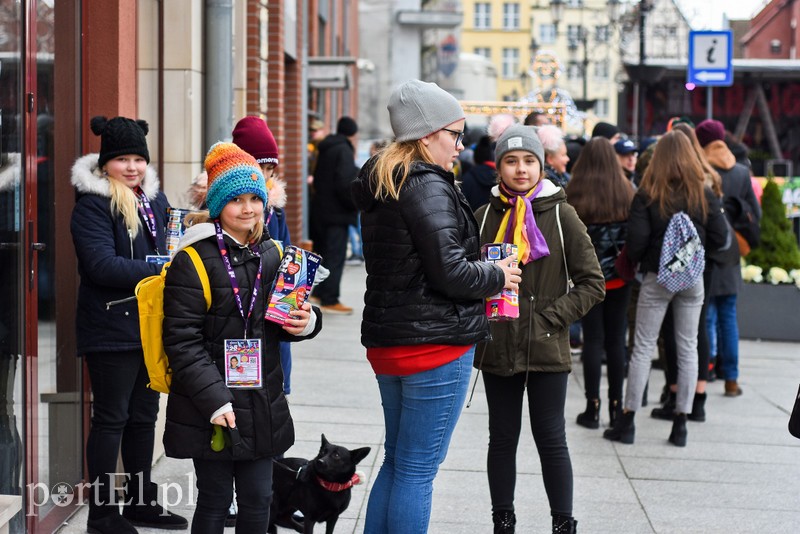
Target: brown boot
(732, 389)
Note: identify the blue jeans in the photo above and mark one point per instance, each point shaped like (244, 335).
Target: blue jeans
(727, 335)
(420, 412)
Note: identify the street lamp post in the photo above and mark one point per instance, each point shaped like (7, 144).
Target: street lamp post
(557, 15)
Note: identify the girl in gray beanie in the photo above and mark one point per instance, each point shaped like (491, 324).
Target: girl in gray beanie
(424, 304)
(561, 281)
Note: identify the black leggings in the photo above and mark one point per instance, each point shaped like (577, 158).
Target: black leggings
(604, 332)
(546, 397)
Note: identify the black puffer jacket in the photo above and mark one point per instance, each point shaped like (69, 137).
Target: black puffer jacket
(425, 280)
(193, 341)
(110, 263)
(608, 239)
(646, 228)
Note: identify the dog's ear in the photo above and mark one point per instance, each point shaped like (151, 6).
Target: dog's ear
(325, 442)
(356, 455)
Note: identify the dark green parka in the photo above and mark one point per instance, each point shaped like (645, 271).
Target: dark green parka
(539, 339)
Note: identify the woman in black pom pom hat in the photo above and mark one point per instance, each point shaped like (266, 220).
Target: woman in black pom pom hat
(119, 221)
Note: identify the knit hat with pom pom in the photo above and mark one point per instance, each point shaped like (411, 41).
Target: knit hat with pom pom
(120, 136)
(231, 172)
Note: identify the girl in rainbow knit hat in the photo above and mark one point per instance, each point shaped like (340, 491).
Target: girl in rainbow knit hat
(245, 408)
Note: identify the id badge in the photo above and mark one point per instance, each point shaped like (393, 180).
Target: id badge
(243, 363)
(158, 260)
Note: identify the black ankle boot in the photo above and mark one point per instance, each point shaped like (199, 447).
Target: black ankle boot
(110, 523)
(698, 408)
(623, 429)
(591, 417)
(667, 411)
(678, 435)
(563, 524)
(504, 521)
(144, 511)
(614, 411)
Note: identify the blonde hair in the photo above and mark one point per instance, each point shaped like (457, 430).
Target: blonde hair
(393, 165)
(125, 203)
(197, 217)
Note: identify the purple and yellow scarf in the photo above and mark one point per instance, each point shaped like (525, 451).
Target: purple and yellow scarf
(519, 226)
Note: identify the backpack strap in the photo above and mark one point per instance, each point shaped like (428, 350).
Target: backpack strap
(201, 273)
(570, 283)
(279, 246)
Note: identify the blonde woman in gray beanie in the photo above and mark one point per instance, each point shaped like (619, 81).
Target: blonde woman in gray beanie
(424, 308)
(561, 281)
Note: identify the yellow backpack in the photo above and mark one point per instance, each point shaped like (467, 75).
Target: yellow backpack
(150, 296)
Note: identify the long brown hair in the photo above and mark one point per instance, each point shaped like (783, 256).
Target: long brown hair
(674, 178)
(710, 175)
(598, 188)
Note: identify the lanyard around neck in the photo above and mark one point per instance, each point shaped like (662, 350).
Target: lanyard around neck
(223, 251)
(146, 211)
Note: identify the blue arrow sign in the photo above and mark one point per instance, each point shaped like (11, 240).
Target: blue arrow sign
(710, 58)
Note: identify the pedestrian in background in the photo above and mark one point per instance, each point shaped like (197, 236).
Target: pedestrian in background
(479, 180)
(711, 180)
(238, 258)
(424, 307)
(555, 155)
(627, 154)
(561, 281)
(118, 222)
(333, 211)
(727, 275)
(252, 135)
(673, 182)
(601, 196)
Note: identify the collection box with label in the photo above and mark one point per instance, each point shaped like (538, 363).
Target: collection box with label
(175, 228)
(503, 306)
(293, 283)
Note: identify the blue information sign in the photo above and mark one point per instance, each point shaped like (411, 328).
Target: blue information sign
(710, 58)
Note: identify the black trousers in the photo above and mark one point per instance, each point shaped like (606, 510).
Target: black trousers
(604, 330)
(333, 249)
(215, 480)
(124, 413)
(547, 394)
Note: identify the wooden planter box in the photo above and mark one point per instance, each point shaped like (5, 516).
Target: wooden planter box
(769, 312)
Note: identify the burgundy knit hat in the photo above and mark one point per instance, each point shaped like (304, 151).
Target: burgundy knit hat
(709, 130)
(252, 135)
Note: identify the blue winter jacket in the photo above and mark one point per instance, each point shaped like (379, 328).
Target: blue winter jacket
(110, 264)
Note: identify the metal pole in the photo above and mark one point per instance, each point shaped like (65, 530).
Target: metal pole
(218, 85)
(585, 63)
(709, 102)
(304, 197)
(642, 92)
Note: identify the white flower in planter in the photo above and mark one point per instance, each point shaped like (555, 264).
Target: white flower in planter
(752, 273)
(795, 274)
(777, 276)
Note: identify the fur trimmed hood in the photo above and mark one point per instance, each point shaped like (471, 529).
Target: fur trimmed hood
(277, 192)
(9, 173)
(88, 178)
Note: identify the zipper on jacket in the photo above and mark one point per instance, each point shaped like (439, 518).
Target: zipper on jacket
(130, 240)
(120, 301)
(530, 338)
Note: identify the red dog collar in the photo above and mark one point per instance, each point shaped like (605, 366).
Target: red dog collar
(338, 486)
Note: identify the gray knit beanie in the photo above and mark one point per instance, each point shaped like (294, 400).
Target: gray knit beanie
(519, 137)
(417, 109)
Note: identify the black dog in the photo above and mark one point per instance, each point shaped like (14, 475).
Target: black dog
(319, 488)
